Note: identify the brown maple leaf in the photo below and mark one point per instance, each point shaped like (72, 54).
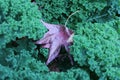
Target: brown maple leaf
(57, 36)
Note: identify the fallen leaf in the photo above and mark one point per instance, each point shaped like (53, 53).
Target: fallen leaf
(57, 36)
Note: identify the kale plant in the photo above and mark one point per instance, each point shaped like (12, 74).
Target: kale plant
(97, 47)
(95, 50)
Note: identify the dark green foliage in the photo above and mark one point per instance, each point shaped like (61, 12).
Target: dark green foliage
(19, 26)
(96, 49)
(17, 21)
(72, 74)
(57, 11)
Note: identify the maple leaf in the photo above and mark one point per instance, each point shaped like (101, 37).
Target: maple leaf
(58, 36)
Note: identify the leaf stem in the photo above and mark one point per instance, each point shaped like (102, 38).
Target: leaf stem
(70, 16)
